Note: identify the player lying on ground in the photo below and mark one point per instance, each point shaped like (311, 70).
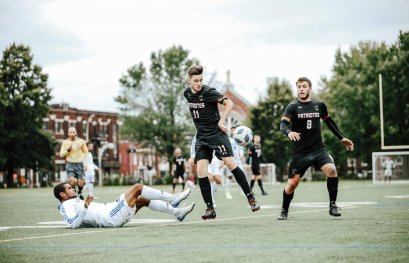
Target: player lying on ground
(79, 213)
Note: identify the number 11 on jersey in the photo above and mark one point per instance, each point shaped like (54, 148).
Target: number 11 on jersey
(195, 114)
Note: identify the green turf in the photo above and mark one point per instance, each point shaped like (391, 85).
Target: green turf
(375, 232)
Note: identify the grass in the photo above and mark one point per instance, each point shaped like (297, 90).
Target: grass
(375, 229)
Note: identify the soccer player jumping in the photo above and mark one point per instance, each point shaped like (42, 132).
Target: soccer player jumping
(212, 136)
(301, 124)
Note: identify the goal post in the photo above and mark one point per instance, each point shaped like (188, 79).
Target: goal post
(399, 168)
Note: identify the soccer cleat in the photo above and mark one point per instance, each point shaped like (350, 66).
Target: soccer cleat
(333, 210)
(210, 213)
(264, 193)
(283, 215)
(180, 197)
(253, 205)
(182, 212)
(228, 195)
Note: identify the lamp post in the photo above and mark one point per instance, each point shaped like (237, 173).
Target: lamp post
(100, 153)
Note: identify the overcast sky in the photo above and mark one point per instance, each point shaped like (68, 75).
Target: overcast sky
(86, 45)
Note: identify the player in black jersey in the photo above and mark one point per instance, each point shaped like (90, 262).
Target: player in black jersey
(212, 136)
(256, 159)
(301, 123)
(178, 169)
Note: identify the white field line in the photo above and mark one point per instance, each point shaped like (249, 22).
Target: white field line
(156, 225)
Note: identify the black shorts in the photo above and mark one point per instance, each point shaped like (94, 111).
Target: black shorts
(255, 169)
(179, 174)
(300, 162)
(206, 144)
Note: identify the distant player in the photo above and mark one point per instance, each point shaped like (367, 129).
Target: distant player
(90, 172)
(75, 151)
(388, 165)
(179, 168)
(78, 213)
(212, 136)
(301, 123)
(238, 154)
(256, 158)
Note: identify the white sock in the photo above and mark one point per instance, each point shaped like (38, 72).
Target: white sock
(163, 207)
(90, 189)
(214, 187)
(228, 183)
(153, 194)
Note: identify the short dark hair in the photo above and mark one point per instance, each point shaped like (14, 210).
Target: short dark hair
(194, 70)
(301, 79)
(59, 188)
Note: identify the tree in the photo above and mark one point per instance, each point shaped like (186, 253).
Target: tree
(24, 98)
(352, 96)
(153, 109)
(265, 121)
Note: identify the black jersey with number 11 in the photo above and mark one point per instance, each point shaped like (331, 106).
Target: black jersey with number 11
(306, 119)
(203, 108)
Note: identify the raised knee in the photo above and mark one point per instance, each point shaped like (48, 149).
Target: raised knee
(138, 188)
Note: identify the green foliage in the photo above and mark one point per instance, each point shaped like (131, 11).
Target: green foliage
(265, 121)
(24, 98)
(352, 96)
(153, 109)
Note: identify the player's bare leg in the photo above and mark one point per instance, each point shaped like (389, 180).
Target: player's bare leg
(330, 171)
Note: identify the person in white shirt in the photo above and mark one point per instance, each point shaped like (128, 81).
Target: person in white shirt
(90, 172)
(238, 157)
(388, 165)
(79, 213)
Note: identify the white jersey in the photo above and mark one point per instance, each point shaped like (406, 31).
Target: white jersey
(96, 215)
(388, 165)
(91, 167)
(237, 152)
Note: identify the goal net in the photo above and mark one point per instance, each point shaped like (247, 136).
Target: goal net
(393, 164)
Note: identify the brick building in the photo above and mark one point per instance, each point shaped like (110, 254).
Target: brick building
(100, 128)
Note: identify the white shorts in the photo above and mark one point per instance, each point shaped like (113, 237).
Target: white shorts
(388, 172)
(214, 167)
(89, 178)
(120, 213)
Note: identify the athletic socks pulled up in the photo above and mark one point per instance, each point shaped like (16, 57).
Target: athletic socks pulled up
(206, 190)
(287, 200)
(332, 186)
(242, 181)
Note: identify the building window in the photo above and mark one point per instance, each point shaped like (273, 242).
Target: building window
(104, 129)
(59, 127)
(84, 129)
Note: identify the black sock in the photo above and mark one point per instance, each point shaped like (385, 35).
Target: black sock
(332, 186)
(80, 190)
(173, 186)
(287, 200)
(242, 181)
(206, 190)
(260, 184)
(183, 186)
(252, 184)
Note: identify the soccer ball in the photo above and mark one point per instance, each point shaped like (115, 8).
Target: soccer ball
(243, 135)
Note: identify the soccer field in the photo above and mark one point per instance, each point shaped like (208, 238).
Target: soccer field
(374, 227)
